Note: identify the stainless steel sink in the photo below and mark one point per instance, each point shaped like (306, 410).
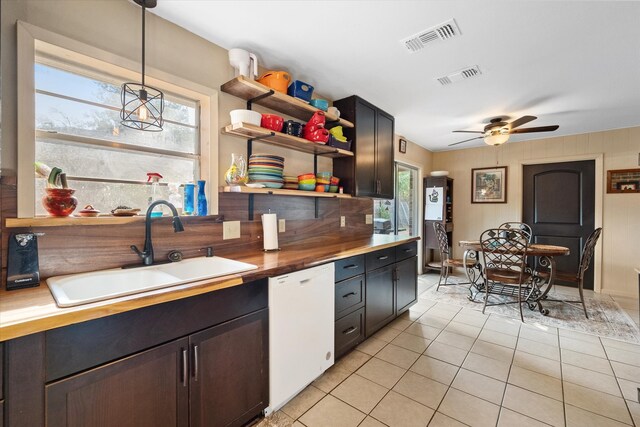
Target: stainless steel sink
(83, 288)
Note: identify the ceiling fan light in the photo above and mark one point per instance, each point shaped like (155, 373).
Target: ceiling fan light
(496, 138)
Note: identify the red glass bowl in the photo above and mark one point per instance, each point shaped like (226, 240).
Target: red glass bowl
(59, 201)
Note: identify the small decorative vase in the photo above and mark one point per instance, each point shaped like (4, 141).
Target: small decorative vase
(59, 201)
(202, 198)
(189, 196)
(237, 172)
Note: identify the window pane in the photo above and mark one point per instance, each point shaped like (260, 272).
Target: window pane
(105, 196)
(75, 118)
(97, 162)
(74, 85)
(383, 216)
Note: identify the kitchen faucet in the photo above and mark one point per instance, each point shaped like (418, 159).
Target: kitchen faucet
(147, 253)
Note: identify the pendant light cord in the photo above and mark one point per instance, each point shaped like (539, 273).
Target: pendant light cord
(143, 42)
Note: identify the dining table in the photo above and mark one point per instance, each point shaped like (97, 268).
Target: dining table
(542, 273)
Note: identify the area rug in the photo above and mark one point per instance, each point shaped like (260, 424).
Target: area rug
(606, 317)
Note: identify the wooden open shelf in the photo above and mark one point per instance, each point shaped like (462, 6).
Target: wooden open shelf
(246, 130)
(249, 89)
(281, 192)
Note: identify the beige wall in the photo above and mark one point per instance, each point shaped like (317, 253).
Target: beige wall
(620, 212)
(114, 26)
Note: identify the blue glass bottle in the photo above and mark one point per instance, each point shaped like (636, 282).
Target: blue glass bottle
(189, 194)
(202, 198)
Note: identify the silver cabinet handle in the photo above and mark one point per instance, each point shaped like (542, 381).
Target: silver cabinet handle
(349, 330)
(349, 294)
(350, 266)
(184, 367)
(408, 250)
(383, 257)
(195, 362)
(302, 282)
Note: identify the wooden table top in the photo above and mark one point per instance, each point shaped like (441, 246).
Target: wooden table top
(31, 310)
(534, 249)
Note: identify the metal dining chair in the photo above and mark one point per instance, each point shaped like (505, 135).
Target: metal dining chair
(525, 228)
(505, 270)
(578, 277)
(446, 262)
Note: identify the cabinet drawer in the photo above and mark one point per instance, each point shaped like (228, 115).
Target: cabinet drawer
(349, 267)
(349, 295)
(381, 258)
(349, 332)
(406, 250)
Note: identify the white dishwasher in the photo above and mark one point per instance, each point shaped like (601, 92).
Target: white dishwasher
(301, 328)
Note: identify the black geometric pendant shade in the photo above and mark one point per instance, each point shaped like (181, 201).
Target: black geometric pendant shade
(142, 105)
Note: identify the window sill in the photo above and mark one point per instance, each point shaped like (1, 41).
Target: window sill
(46, 221)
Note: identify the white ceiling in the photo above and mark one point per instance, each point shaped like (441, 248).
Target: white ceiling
(571, 63)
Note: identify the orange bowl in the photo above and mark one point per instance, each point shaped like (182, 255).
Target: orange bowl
(320, 188)
(306, 176)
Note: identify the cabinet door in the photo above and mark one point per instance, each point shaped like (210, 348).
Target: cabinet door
(147, 389)
(365, 149)
(380, 305)
(229, 371)
(406, 284)
(384, 155)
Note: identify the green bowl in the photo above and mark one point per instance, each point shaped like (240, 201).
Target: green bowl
(306, 187)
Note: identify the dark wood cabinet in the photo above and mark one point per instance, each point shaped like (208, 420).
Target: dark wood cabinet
(230, 372)
(370, 172)
(198, 361)
(380, 302)
(149, 389)
(350, 293)
(406, 284)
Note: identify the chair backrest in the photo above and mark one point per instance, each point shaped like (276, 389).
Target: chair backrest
(525, 228)
(443, 241)
(504, 249)
(587, 252)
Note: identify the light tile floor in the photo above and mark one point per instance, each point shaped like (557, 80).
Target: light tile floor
(442, 365)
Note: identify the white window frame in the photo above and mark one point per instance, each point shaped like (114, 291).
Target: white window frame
(34, 41)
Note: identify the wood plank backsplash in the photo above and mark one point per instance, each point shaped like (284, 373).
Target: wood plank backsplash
(74, 249)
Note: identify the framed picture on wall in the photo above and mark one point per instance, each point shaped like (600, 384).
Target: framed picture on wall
(489, 185)
(402, 146)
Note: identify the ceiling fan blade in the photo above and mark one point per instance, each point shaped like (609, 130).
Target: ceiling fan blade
(467, 131)
(536, 129)
(521, 121)
(466, 140)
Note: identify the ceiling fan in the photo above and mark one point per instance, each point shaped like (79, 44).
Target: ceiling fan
(497, 131)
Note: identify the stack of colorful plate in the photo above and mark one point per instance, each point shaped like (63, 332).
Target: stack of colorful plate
(290, 182)
(267, 170)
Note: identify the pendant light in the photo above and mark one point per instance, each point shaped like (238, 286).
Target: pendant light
(142, 105)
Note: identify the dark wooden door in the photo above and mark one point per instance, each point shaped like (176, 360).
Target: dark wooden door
(384, 155)
(144, 390)
(230, 371)
(559, 204)
(380, 304)
(406, 284)
(365, 149)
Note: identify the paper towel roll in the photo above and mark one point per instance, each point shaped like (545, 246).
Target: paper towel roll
(270, 231)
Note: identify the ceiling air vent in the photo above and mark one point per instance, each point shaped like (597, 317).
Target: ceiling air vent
(444, 31)
(465, 73)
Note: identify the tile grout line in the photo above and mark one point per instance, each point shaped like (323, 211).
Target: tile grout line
(633, 422)
(506, 383)
(564, 402)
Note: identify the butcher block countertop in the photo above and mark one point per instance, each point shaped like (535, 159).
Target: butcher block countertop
(31, 310)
